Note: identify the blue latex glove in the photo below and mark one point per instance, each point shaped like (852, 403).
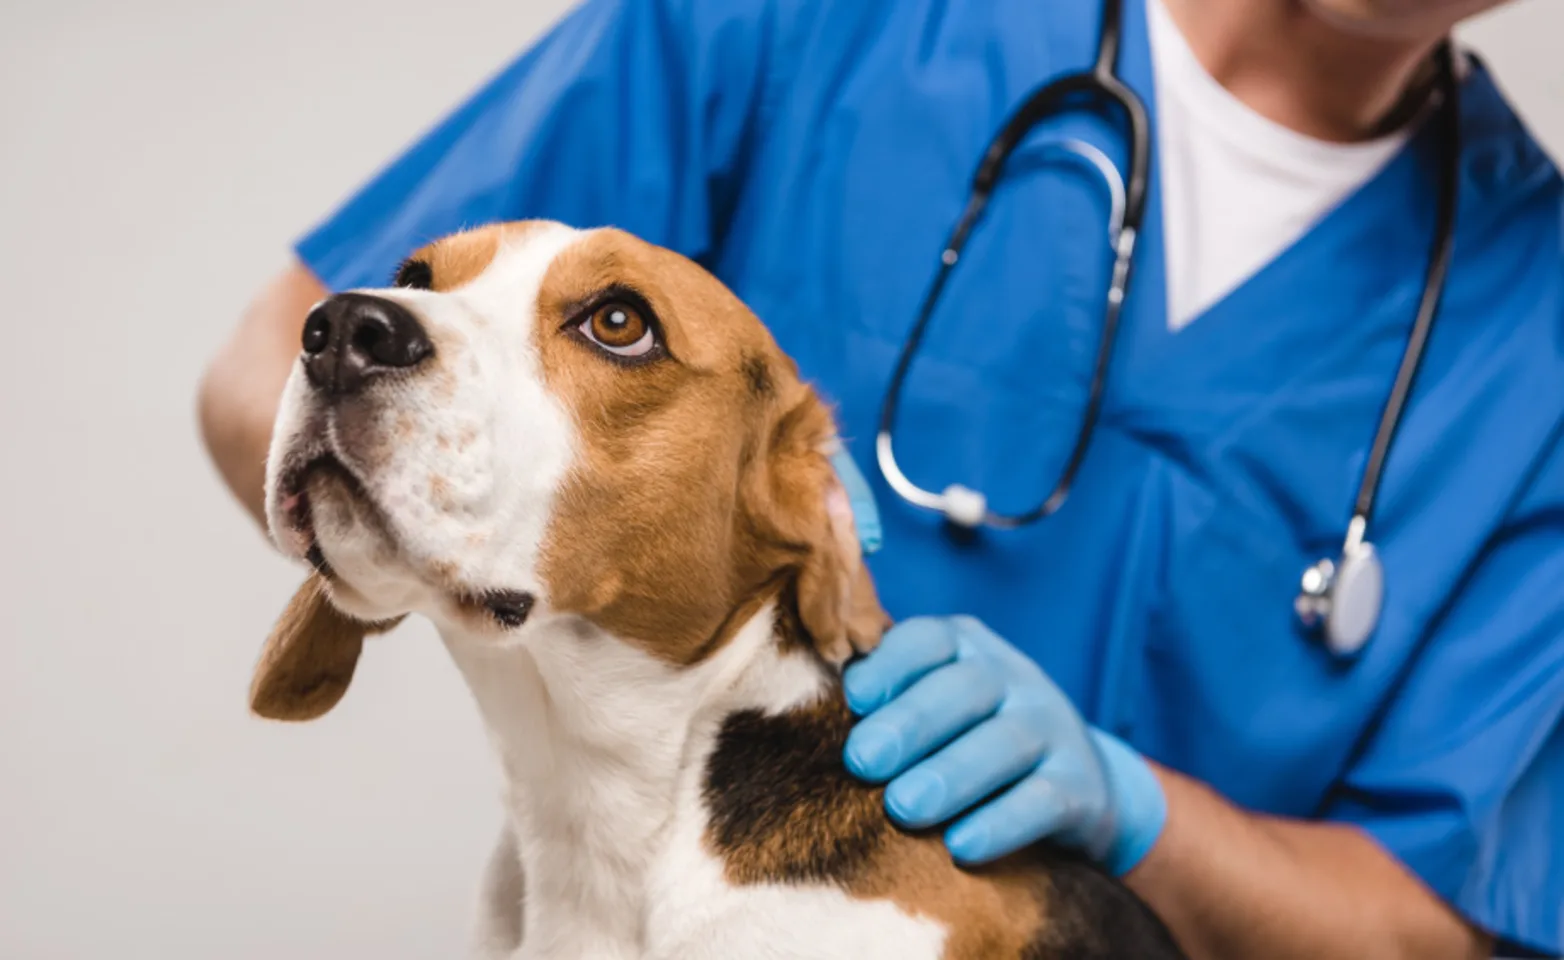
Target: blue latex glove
(954, 717)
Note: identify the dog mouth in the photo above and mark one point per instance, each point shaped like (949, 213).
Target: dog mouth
(505, 609)
(298, 510)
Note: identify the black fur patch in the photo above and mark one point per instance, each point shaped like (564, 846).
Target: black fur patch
(414, 275)
(759, 376)
(1092, 916)
(317, 559)
(783, 806)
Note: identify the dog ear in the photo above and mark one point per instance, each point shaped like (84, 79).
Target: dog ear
(309, 658)
(861, 622)
(809, 512)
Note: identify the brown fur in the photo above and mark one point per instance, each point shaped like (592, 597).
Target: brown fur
(997, 913)
(458, 259)
(693, 490)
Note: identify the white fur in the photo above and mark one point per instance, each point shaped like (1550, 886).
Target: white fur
(492, 438)
(604, 751)
(602, 746)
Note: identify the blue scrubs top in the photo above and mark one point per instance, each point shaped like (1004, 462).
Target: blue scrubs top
(814, 156)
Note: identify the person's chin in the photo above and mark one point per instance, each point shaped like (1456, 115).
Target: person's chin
(1397, 19)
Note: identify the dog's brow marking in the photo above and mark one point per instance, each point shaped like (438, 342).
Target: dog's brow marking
(758, 376)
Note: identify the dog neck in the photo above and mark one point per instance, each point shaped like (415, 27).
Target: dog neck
(598, 742)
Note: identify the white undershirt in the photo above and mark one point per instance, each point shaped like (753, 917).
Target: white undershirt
(1237, 188)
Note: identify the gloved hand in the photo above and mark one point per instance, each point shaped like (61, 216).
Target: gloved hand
(953, 715)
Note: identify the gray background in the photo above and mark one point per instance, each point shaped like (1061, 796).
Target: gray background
(156, 158)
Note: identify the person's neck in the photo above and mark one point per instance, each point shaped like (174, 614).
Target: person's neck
(1292, 67)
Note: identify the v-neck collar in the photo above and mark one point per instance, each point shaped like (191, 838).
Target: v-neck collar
(1357, 268)
(1225, 163)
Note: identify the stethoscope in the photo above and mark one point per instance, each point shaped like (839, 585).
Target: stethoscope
(1340, 598)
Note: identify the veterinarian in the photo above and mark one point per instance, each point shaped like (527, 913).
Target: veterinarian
(1247, 578)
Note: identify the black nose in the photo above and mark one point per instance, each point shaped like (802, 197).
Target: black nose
(351, 337)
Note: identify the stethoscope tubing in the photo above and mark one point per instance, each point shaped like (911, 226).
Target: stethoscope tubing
(1348, 613)
(1448, 113)
(1128, 199)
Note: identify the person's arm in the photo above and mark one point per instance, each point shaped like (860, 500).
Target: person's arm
(1438, 839)
(971, 733)
(243, 384)
(1229, 883)
(639, 114)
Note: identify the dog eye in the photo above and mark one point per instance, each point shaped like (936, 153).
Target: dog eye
(619, 329)
(509, 608)
(414, 275)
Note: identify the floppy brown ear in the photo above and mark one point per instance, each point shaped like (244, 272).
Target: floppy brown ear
(309, 658)
(837, 603)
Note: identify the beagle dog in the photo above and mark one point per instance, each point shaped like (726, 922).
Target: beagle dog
(592, 468)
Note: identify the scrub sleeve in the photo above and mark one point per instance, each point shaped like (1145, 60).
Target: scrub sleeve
(1464, 779)
(637, 114)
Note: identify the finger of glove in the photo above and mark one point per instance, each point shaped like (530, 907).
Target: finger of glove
(907, 652)
(931, 713)
(1029, 811)
(1074, 769)
(975, 640)
(1029, 684)
(984, 760)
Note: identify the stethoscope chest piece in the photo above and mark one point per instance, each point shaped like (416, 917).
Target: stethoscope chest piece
(1343, 600)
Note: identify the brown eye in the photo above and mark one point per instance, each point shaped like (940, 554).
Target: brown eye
(620, 329)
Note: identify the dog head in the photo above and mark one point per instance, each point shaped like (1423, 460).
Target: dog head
(537, 422)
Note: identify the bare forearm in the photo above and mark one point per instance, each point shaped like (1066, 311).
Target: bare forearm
(1231, 884)
(243, 385)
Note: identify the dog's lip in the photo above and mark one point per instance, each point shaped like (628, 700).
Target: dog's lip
(295, 498)
(295, 507)
(504, 608)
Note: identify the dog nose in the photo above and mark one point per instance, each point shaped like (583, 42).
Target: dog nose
(351, 337)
